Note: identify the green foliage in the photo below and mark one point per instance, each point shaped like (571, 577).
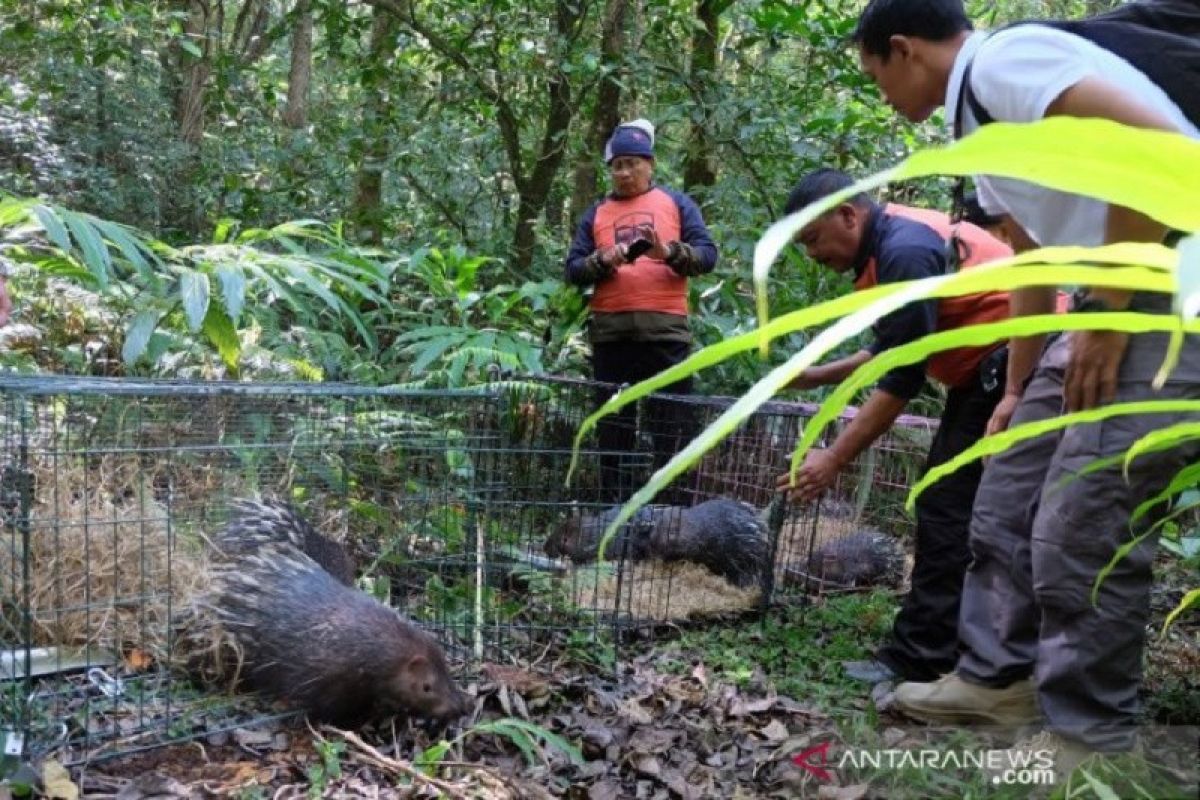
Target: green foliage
(92, 121)
(530, 739)
(329, 768)
(799, 652)
(451, 331)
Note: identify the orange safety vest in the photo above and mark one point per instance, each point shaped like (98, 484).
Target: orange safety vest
(958, 366)
(647, 284)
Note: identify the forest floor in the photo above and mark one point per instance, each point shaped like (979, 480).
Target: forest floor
(716, 711)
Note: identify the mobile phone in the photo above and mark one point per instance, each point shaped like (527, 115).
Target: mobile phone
(636, 248)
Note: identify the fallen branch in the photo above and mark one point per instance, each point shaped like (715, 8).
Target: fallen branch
(373, 756)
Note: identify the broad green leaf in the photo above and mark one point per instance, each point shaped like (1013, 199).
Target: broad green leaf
(342, 278)
(233, 290)
(54, 228)
(222, 334)
(522, 734)
(549, 737)
(193, 292)
(310, 282)
(137, 335)
(134, 251)
(1153, 172)
(991, 445)
(278, 287)
(91, 246)
(432, 350)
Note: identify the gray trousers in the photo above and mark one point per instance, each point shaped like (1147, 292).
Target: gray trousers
(1038, 543)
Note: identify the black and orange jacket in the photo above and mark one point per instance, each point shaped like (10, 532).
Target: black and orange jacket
(903, 244)
(648, 299)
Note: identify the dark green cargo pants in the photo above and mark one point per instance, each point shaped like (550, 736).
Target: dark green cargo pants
(1038, 541)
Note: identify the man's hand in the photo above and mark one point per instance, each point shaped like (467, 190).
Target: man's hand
(1091, 378)
(612, 257)
(1002, 414)
(819, 472)
(658, 248)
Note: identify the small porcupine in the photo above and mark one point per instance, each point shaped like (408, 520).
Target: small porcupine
(304, 637)
(255, 523)
(863, 558)
(578, 536)
(726, 536)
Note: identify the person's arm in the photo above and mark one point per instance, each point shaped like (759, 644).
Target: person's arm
(821, 467)
(833, 372)
(694, 253)
(585, 264)
(1091, 376)
(1023, 352)
(895, 389)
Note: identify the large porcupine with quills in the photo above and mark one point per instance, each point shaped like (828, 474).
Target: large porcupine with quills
(726, 536)
(864, 557)
(299, 634)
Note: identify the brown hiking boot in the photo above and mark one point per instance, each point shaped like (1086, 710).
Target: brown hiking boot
(952, 700)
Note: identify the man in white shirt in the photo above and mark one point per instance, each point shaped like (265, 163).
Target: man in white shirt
(1034, 645)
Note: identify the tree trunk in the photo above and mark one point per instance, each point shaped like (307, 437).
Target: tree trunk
(534, 190)
(194, 71)
(698, 163)
(182, 210)
(295, 114)
(366, 213)
(607, 112)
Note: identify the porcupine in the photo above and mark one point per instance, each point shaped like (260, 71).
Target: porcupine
(306, 638)
(254, 523)
(862, 558)
(726, 536)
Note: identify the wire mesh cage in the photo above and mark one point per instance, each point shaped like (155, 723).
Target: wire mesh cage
(110, 492)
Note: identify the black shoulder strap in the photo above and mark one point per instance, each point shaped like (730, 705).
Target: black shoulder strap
(967, 98)
(1160, 38)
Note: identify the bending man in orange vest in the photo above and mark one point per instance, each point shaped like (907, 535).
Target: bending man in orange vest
(887, 244)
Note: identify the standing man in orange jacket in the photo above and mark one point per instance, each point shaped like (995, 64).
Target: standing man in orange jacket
(637, 248)
(888, 244)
